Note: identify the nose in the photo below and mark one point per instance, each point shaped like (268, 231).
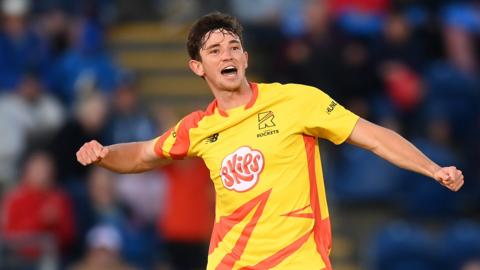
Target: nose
(227, 55)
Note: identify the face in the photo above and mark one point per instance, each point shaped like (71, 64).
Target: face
(223, 61)
(39, 171)
(101, 188)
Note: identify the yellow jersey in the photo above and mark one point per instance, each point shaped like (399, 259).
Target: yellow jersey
(264, 161)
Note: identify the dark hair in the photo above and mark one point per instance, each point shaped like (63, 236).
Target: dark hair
(202, 28)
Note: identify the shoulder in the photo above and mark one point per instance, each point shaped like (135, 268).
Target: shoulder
(193, 118)
(289, 88)
(14, 197)
(302, 94)
(190, 122)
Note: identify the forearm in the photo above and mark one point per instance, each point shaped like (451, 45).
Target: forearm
(130, 158)
(397, 150)
(392, 147)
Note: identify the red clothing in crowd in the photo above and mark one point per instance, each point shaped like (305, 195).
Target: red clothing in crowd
(29, 212)
(365, 6)
(189, 202)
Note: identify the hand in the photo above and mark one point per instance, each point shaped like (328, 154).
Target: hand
(91, 152)
(450, 177)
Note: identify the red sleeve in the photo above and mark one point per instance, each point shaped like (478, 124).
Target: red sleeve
(175, 143)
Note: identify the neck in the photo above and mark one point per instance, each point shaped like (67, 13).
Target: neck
(229, 99)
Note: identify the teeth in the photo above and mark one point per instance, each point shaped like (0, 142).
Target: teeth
(229, 70)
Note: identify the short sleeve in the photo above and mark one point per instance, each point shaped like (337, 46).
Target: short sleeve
(175, 142)
(323, 117)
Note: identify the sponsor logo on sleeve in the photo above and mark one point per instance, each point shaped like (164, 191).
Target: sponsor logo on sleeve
(331, 107)
(241, 169)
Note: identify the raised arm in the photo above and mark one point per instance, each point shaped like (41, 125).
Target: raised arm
(121, 158)
(390, 146)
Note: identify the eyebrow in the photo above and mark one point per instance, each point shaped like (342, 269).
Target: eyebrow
(218, 44)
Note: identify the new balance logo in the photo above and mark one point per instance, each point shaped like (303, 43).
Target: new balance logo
(212, 139)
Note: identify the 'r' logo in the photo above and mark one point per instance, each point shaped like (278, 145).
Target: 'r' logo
(265, 120)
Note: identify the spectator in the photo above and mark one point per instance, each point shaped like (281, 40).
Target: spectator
(27, 116)
(398, 44)
(85, 66)
(103, 206)
(187, 244)
(311, 58)
(359, 17)
(104, 245)
(358, 74)
(128, 121)
(421, 197)
(87, 123)
(265, 11)
(36, 207)
(103, 198)
(55, 26)
(453, 85)
(20, 47)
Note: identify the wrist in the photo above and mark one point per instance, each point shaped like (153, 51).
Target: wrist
(433, 168)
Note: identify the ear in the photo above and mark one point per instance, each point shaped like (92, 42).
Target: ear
(246, 59)
(196, 67)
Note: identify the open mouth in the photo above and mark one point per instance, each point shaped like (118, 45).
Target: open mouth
(229, 71)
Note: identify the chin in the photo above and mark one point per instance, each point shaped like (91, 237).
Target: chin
(231, 85)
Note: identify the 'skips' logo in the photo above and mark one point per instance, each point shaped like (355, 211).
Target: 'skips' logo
(241, 169)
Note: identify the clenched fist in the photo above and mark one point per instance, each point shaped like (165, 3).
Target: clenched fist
(450, 177)
(91, 152)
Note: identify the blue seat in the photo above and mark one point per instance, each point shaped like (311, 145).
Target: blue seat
(401, 246)
(421, 195)
(362, 177)
(460, 243)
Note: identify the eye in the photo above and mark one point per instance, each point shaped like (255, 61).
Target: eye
(236, 48)
(214, 51)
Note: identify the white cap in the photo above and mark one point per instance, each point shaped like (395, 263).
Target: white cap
(104, 236)
(15, 7)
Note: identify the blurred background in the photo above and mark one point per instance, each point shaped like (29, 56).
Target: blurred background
(116, 71)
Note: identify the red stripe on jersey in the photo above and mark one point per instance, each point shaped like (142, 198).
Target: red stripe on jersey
(182, 143)
(321, 229)
(225, 224)
(281, 255)
(211, 107)
(214, 105)
(234, 255)
(254, 88)
(296, 213)
(159, 144)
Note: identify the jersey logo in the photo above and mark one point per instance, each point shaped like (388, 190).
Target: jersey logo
(265, 120)
(211, 139)
(331, 107)
(241, 169)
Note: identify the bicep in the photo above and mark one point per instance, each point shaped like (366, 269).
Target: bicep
(365, 134)
(149, 155)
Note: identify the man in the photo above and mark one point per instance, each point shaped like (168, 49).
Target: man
(36, 208)
(259, 142)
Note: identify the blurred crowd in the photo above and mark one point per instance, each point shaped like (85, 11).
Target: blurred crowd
(412, 66)
(59, 88)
